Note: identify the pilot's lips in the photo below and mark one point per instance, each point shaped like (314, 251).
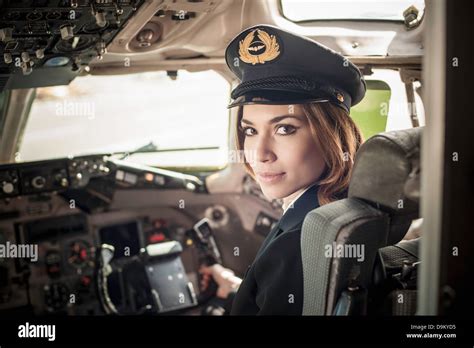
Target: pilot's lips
(268, 177)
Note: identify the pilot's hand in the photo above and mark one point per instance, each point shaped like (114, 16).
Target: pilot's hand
(225, 278)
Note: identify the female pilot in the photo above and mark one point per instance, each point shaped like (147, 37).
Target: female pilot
(299, 144)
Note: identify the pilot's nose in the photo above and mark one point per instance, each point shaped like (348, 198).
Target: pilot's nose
(264, 151)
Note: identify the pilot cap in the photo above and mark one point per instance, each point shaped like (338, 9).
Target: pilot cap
(278, 67)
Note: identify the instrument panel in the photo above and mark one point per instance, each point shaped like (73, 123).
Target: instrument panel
(63, 174)
(58, 276)
(72, 196)
(52, 175)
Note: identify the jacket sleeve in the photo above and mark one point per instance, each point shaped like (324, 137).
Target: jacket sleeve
(279, 276)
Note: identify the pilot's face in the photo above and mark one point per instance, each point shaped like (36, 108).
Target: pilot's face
(281, 149)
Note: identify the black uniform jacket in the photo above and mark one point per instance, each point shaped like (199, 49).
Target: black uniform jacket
(273, 284)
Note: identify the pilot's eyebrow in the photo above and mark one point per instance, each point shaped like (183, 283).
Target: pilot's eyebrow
(275, 119)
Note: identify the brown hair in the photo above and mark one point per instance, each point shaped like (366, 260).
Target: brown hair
(339, 138)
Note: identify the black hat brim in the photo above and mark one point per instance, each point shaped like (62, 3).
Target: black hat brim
(287, 90)
(251, 100)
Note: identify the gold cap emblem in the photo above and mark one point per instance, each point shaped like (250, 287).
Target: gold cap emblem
(340, 97)
(260, 49)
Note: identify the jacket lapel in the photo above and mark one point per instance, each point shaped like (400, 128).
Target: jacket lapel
(293, 216)
(274, 231)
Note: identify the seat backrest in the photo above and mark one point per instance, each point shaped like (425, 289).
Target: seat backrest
(340, 240)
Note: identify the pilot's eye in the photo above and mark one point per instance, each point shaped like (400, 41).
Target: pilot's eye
(286, 129)
(248, 131)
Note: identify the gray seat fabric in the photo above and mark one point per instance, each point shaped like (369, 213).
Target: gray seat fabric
(378, 212)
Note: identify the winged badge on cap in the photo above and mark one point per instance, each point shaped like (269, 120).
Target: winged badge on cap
(258, 50)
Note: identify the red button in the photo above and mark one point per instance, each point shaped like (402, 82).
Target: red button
(156, 238)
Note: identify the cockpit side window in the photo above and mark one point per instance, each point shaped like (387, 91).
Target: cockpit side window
(385, 106)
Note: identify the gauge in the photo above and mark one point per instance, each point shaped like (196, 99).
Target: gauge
(52, 261)
(79, 254)
(56, 296)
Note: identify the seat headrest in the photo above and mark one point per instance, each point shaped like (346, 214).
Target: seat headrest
(384, 171)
